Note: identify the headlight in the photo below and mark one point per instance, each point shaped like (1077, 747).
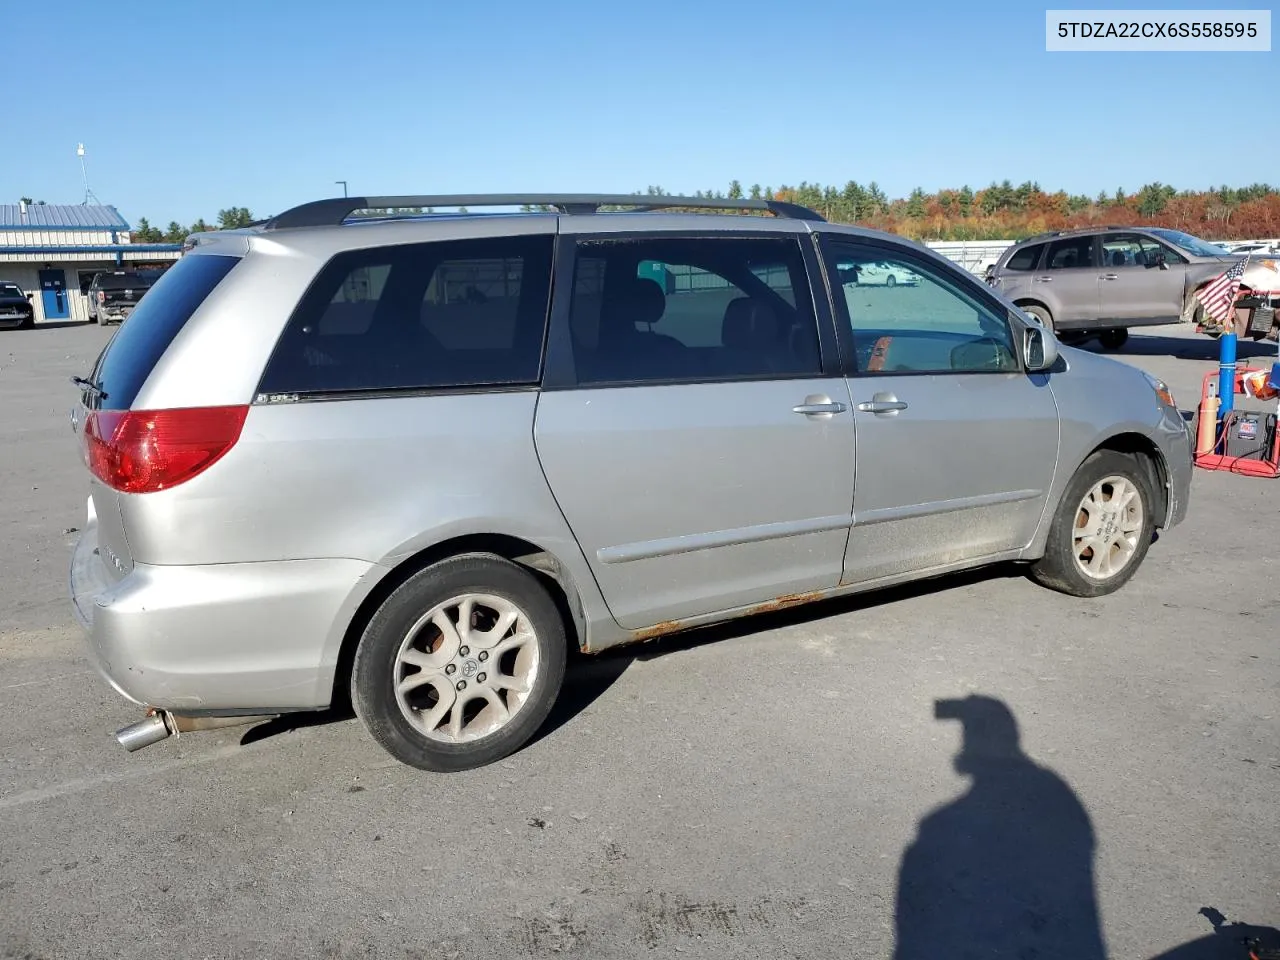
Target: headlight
(1162, 389)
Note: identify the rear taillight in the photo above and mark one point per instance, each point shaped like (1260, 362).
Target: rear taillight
(102, 296)
(142, 451)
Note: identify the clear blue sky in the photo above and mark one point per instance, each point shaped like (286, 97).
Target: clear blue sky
(187, 108)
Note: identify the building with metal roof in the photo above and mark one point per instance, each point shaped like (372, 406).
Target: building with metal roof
(60, 216)
(53, 252)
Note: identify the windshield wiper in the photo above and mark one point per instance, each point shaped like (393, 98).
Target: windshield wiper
(84, 383)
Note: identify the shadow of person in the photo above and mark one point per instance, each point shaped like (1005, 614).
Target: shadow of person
(1006, 869)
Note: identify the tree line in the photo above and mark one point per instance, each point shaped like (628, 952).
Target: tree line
(1002, 211)
(229, 219)
(999, 211)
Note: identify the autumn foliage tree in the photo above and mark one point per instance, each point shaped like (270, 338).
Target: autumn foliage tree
(1005, 211)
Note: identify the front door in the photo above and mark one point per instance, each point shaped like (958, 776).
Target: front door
(694, 426)
(956, 443)
(1135, 284)
(53, 294)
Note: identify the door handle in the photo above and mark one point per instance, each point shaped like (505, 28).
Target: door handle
(883, 402)
(1109, 276)
(818, 408)
(881, 406)
(1044, 279)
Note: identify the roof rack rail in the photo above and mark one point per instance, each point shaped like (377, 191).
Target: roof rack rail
(335, 211)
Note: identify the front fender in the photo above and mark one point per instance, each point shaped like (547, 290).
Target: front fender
(1103, 402)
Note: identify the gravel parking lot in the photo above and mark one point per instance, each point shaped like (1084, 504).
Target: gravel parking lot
(748, 791)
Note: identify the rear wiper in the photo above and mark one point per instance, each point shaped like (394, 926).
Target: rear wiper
(84, 383)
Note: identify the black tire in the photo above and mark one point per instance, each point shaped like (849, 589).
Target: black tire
(1040, 313)
(892, 281)
(1114, 338)
(1058, 568)
(374, 667)
(28, 322)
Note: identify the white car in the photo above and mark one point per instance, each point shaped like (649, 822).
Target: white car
(1255, 248)
(883, 275)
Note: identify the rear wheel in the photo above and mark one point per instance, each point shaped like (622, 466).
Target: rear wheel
(460, 665)
(1039, 312)
(892, 281)
(1102, 529)
(1114, 339)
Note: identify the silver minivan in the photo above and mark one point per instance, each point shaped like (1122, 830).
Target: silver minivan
(414, 459)
(1102, 281)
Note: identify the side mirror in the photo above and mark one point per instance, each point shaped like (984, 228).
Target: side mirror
(1039, 349)
(1162, 261)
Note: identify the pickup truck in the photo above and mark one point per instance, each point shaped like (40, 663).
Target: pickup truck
(15, 307)
(112, 296)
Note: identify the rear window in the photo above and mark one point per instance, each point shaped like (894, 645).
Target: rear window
(112, 281)
(449, 314)
(143, 338)
(1026, 258)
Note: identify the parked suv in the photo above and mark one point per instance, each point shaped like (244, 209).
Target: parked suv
(417, 459)
(1099, 282)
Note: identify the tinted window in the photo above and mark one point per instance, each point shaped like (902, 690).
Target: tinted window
(457, 313)
(1026, 258)
(928, 322)
(9, 290)
(666, 309)
(1070, 253)
(115, 281)
(143, 338)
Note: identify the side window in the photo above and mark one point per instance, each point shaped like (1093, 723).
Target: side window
(1026, 258)
(451, 314)
(1121, 250)
(1134, 250)
(684, 309)
(931, 323)
(1070, 253)
(1152, 249)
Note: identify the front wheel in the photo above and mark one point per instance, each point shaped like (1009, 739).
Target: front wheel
(1102, 529)
(1114, 339)
(460, 665)
(892, 281)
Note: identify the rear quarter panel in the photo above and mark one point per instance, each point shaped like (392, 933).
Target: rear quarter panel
(375, 479)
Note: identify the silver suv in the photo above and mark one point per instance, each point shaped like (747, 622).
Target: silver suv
(414, 459)
(1102, 281)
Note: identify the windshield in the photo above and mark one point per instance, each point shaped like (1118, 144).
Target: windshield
(1193, 245)
(10, 290)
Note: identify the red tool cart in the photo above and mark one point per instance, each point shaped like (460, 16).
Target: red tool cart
(1244, 441)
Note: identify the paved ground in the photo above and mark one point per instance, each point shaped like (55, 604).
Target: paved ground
(750, 792)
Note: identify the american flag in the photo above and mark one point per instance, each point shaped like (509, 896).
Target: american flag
(1218, 298)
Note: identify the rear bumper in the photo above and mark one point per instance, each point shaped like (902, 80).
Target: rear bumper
(230, 637)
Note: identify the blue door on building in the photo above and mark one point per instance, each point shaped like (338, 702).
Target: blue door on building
(53, 292)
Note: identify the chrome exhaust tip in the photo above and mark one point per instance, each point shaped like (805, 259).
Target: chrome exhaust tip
(144, 733)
